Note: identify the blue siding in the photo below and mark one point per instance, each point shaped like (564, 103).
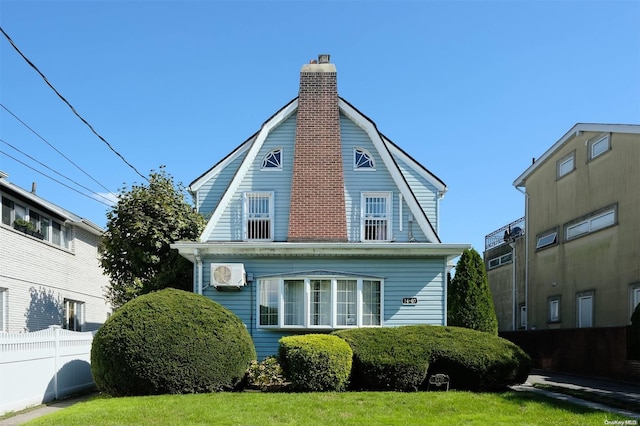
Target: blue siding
(421, 278)
(211, 192)
(229, 227)
(365, 180)
(425, 192)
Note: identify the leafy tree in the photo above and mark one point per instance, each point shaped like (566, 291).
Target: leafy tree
(147, 218)
(469, 299)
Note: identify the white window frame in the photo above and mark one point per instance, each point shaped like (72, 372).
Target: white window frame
(247, 196)
(271, 166)
(500, 260)
(44, 223)
(596, 146)
(388, 216)
(362, 165)
(78, 309)
(274, 298)
(580, 298)
(3, 309)
(554, 309)
(595, 222)
(547, 239)
(561, 165)
(634, 297)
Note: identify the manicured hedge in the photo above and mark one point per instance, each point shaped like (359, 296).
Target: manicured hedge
(170, 342)
(316, 362)
(402, 358)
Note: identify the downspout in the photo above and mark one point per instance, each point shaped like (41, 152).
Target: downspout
(197, 272)
(526, 256)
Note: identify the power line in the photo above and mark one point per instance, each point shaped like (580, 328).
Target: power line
(70, 106)
(54, 171)
(53, 179)
(53, 147)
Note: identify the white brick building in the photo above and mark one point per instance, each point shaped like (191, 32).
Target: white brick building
(50, 270)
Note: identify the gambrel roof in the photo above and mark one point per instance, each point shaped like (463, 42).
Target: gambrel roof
(387, 150)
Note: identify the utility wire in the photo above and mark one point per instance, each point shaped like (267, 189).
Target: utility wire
(53, 147)
(54, 171)
(53, 179)
(70, 106)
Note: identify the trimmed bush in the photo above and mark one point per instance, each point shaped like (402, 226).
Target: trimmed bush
(316, 362)
(473, 360)
(170, 342)
(386, 359)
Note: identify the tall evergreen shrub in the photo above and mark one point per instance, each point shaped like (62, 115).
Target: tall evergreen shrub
(468, 298)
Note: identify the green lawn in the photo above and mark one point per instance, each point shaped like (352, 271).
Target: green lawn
(348, 408)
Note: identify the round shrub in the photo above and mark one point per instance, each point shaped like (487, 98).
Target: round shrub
(386, 359)
(473, 360)
(316, 362)
(170, 342)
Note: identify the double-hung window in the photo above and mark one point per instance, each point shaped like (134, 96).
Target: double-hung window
(258, 213)
(319, 302)
(73, 315)
(376, 216)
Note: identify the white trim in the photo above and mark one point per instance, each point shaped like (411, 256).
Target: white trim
(197, 184)
(575, 131)
(366, 125)
(369, 157)
(415, 166)
(245, 166)
(245, 213)
(388, 214)
(278, 168)
(400, 215)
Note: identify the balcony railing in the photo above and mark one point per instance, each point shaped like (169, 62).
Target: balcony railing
(506, 234)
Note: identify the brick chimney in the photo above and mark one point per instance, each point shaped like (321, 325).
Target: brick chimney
(317, 211)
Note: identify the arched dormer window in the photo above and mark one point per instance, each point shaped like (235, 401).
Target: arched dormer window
(273, 160)
(362, 160)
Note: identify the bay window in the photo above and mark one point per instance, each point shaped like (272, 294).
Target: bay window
(319, 302)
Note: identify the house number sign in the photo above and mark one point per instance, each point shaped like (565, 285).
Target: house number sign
(409, 300)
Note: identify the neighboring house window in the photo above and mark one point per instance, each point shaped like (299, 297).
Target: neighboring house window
(273, 160)
(319, 302)
(376, 216)
(547, 239)
(598, 146)
(634, 297)
(566, 164)
(258, 208)
(584, 303)
(73, 315)
(500, 260)
(523, 316)
(554, 309)
(594, 222)
(49, 229)
(362, 160)
(3, 309)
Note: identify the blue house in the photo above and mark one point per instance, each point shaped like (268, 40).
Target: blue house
(318, 222)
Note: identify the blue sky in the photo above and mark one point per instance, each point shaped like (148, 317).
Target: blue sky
(471, 89)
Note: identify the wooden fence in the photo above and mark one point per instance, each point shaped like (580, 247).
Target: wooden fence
(41, 366)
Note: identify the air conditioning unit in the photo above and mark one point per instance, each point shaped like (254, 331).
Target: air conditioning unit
(224, 275)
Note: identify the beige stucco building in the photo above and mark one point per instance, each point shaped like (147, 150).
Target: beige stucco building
(577, 258)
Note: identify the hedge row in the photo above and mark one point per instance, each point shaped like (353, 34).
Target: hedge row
(402, 358)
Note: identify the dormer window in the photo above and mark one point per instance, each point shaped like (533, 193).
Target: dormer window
(362, 160)
(273, 160)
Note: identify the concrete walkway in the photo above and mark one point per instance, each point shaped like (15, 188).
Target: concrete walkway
(622, 391)
(43, 410)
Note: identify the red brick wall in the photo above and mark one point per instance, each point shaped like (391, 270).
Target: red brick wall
(317, 211)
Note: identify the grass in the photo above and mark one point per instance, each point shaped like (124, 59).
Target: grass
(348, 408)
(600, 398)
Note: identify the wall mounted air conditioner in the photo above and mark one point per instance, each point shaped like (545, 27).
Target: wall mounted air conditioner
(225, 275)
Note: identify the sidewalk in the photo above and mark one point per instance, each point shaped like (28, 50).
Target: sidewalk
(43, 410)
(612, 389)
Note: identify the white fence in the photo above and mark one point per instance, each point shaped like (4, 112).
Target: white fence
(39, 367)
